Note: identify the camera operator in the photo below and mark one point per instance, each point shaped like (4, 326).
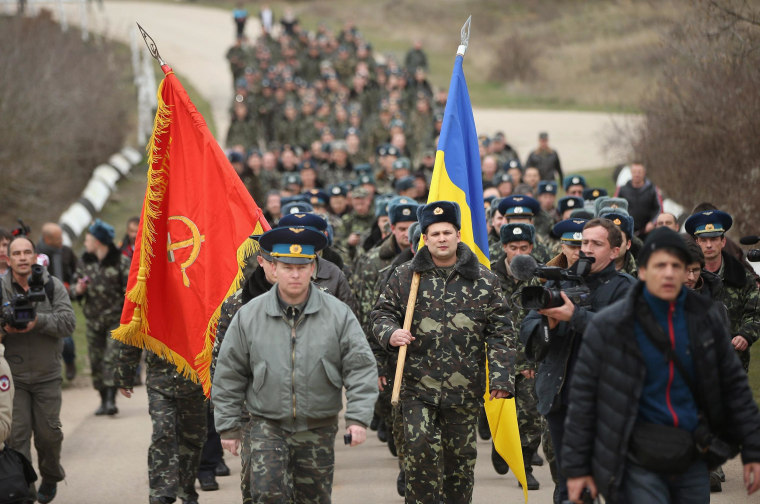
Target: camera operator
(658, 395)
(33, 349)
(601, 240)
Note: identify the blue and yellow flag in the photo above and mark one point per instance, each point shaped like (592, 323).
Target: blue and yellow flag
(457, 177)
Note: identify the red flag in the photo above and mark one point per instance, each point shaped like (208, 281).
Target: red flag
(194, 235)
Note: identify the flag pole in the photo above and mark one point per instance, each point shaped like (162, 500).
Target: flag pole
(464, 41)
(153, 49)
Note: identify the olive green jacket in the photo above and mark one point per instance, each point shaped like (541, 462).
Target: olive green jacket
(294, 374)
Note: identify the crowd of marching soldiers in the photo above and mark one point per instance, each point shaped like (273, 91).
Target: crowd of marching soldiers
(321, 125)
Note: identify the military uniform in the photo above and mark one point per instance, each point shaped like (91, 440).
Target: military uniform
(102, 305)
(178, 413)
(459, 309)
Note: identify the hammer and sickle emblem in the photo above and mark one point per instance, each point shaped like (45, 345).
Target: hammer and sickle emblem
(194, 242)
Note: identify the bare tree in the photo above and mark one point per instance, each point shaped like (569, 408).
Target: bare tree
(699, 136)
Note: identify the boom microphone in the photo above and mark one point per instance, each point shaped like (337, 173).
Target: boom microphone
(523, 267)
(749, 240)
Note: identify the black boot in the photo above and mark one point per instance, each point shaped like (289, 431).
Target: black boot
(530, 479)
(382, 432)
(102, 408)
(499, 464)
(111, 408)
(484, 431)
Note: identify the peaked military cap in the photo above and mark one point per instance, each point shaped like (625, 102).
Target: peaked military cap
(519, 205)
(570, 231)
(593, 193)
(502, 178)
(296, 207)
(293, 244)
(547, 187)
(404, 183)
(572, 180)
(337, 190)
(311, 220)
(517, 232)
(439, 211)
(569, 203)
(402, 163)
(708, 223)
(316, 197)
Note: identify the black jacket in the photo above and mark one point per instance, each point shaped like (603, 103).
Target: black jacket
(643, 203)
(609, 377)
(606, 287)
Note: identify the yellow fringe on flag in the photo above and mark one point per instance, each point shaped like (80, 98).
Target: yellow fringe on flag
(136, 331)
(203, 359)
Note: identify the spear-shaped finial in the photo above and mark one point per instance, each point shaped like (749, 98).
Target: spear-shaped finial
(152, 45)
(464, 37)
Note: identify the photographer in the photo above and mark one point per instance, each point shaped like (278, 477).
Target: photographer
(658, 396)
(33, 350)
(601, 240)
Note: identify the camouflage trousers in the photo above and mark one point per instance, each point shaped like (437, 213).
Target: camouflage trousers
(179, 432)
(397, 420)
(290, 467)
(103, 351)
(440, 452)
(533, 426)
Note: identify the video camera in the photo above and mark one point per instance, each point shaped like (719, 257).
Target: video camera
(754, 254)
(537, 297)
(19, 311)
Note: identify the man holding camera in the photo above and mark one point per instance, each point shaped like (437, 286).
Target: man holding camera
(33, 350)
(601, 240)
(658, 396)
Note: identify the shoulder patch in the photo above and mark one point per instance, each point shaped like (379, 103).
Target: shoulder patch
(5, 383)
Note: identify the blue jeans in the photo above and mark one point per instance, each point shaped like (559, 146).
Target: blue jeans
(691, 487)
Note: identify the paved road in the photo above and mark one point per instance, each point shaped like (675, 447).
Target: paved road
(106, 461)
(194, 40)
(105, 458)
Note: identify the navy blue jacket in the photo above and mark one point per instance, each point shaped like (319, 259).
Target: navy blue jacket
(609, 378)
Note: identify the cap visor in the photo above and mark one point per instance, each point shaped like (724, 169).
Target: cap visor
(293, 260)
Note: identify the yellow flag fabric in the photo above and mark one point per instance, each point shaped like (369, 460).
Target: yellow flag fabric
(457, 177)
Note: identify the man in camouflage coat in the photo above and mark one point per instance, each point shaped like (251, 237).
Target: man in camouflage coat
(178, 413)
(518, 239)
(101, 284)
(740, 293)
(459, 310)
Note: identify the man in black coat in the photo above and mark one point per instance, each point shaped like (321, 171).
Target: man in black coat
(662, 359)
(601, 239)
(644, 200)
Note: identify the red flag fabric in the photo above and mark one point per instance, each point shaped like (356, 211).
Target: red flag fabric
(194, 235)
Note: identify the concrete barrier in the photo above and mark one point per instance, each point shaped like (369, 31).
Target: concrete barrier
(107, 174)
(121, 163)
(74, 221)
(97, 193)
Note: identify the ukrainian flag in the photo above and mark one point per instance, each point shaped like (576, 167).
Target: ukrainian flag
(457, 177)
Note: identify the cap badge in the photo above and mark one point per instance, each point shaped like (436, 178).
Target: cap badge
(519, 210)
(571, 203)
(576, 180)
(518, 198)
(295, 248)
(438, 211)
(314, 200)
(707, 213)
(617, 222)
(577, 236)
(296, 230)
(517, 231)
(406, 211)
(709, 227)
(336, 190)
(595, 194)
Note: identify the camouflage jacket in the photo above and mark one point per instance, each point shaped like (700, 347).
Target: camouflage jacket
(360, 224)
(104, 298)
(630, 266)
(366, 274)
(455, 317)
(544, 222)
(741, 297)
(510, 286)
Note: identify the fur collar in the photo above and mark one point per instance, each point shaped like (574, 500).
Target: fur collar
(467, 263)
(112, 258)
